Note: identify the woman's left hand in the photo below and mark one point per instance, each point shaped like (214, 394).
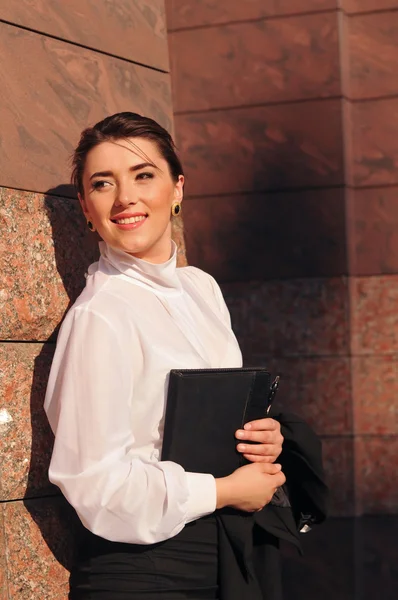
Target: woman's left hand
(267, 434)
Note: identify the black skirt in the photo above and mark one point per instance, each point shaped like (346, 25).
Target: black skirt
(181, 568)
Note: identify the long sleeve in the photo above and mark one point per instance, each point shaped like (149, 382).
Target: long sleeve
(118, 492)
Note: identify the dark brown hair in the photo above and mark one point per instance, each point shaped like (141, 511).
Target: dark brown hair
(122, 126)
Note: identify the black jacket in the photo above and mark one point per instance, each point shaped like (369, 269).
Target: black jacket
(249, 560)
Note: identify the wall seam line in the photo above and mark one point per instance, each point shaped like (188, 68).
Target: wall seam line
(79, 45)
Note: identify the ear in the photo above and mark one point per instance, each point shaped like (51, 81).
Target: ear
(83, 206)
(179, 189)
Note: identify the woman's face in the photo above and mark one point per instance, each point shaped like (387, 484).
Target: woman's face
(128, 194)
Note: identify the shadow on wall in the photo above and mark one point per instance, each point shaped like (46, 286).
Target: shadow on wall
(75, 249)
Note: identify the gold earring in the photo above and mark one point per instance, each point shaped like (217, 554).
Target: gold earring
(176, 209)
(90, 226)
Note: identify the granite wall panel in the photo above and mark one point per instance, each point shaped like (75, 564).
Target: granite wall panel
(374, 316)
(268, 236)
(372, 54)
(44, 273)
(51, 90)
(297, 317)
(376, 474)
(338, 460)
(26, 436)
(131, 29)
(375, 393)
(373, 231)
(318, 389)
(373, 145)
(39, 538)
(3, 560)
(262, 148)
(190, 13)
(255, 63)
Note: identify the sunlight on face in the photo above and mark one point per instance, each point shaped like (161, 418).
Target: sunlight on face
(128, 194)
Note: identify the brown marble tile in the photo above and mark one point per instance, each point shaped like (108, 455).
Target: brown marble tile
(373, 56)
(39, 540)
(338, 457)
(134, 30)
(46, 237)
(3, 560)
(300, 317)
(373, 231)
(268, 236)
(375, 393)
(374, 316)
(262, 148)
(376, 479)
(373, 159)
(317, 389)
(359, 6)
(327, 568)
(255, 63)
(188, 13)
(51, 90)
(26, 437)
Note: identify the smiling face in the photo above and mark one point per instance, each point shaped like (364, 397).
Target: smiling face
(128, 194)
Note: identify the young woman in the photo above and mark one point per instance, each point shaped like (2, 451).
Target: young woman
(153, 526)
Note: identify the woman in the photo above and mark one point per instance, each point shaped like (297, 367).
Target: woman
(153, 529)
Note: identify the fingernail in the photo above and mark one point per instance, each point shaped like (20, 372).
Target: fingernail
(242, 447)
(248, 426)
(240, 434)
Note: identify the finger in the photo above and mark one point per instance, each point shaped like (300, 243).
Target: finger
(267, 424)
(264, 437)
(256, 458)
(262, 449)
(280, 477)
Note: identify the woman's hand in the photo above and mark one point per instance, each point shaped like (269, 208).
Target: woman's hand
(249, 488)
(267, 434)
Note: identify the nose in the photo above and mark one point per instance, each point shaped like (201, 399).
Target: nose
(125, 194)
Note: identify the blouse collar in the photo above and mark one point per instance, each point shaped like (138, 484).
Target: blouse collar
(161, 278)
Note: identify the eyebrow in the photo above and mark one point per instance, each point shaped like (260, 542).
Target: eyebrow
(131, 169)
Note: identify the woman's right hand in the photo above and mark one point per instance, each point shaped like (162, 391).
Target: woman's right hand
(250, 487)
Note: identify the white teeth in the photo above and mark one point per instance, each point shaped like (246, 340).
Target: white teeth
(130, 220)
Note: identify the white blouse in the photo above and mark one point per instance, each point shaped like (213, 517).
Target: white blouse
(105, 401)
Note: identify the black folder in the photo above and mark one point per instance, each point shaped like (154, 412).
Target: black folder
(204, 409)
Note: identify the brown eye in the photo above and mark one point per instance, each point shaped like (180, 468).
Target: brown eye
(143, 176)
(99, 185)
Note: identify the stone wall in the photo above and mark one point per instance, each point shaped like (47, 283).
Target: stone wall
(285, 113)
(63, 66)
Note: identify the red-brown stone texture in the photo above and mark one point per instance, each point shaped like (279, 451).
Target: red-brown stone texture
(262, 148)
(372, 54)
(373, 231)
(269, 60)
(338, 457)
(135, 29)
(267, 235)
(45, 250)
(375, 393)
(191, 13)
(373, 132)
(51, 90)
(300, 317)
(359, 6)
(38, 536)
(25, 434)
(376, 474)
(374, 315)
